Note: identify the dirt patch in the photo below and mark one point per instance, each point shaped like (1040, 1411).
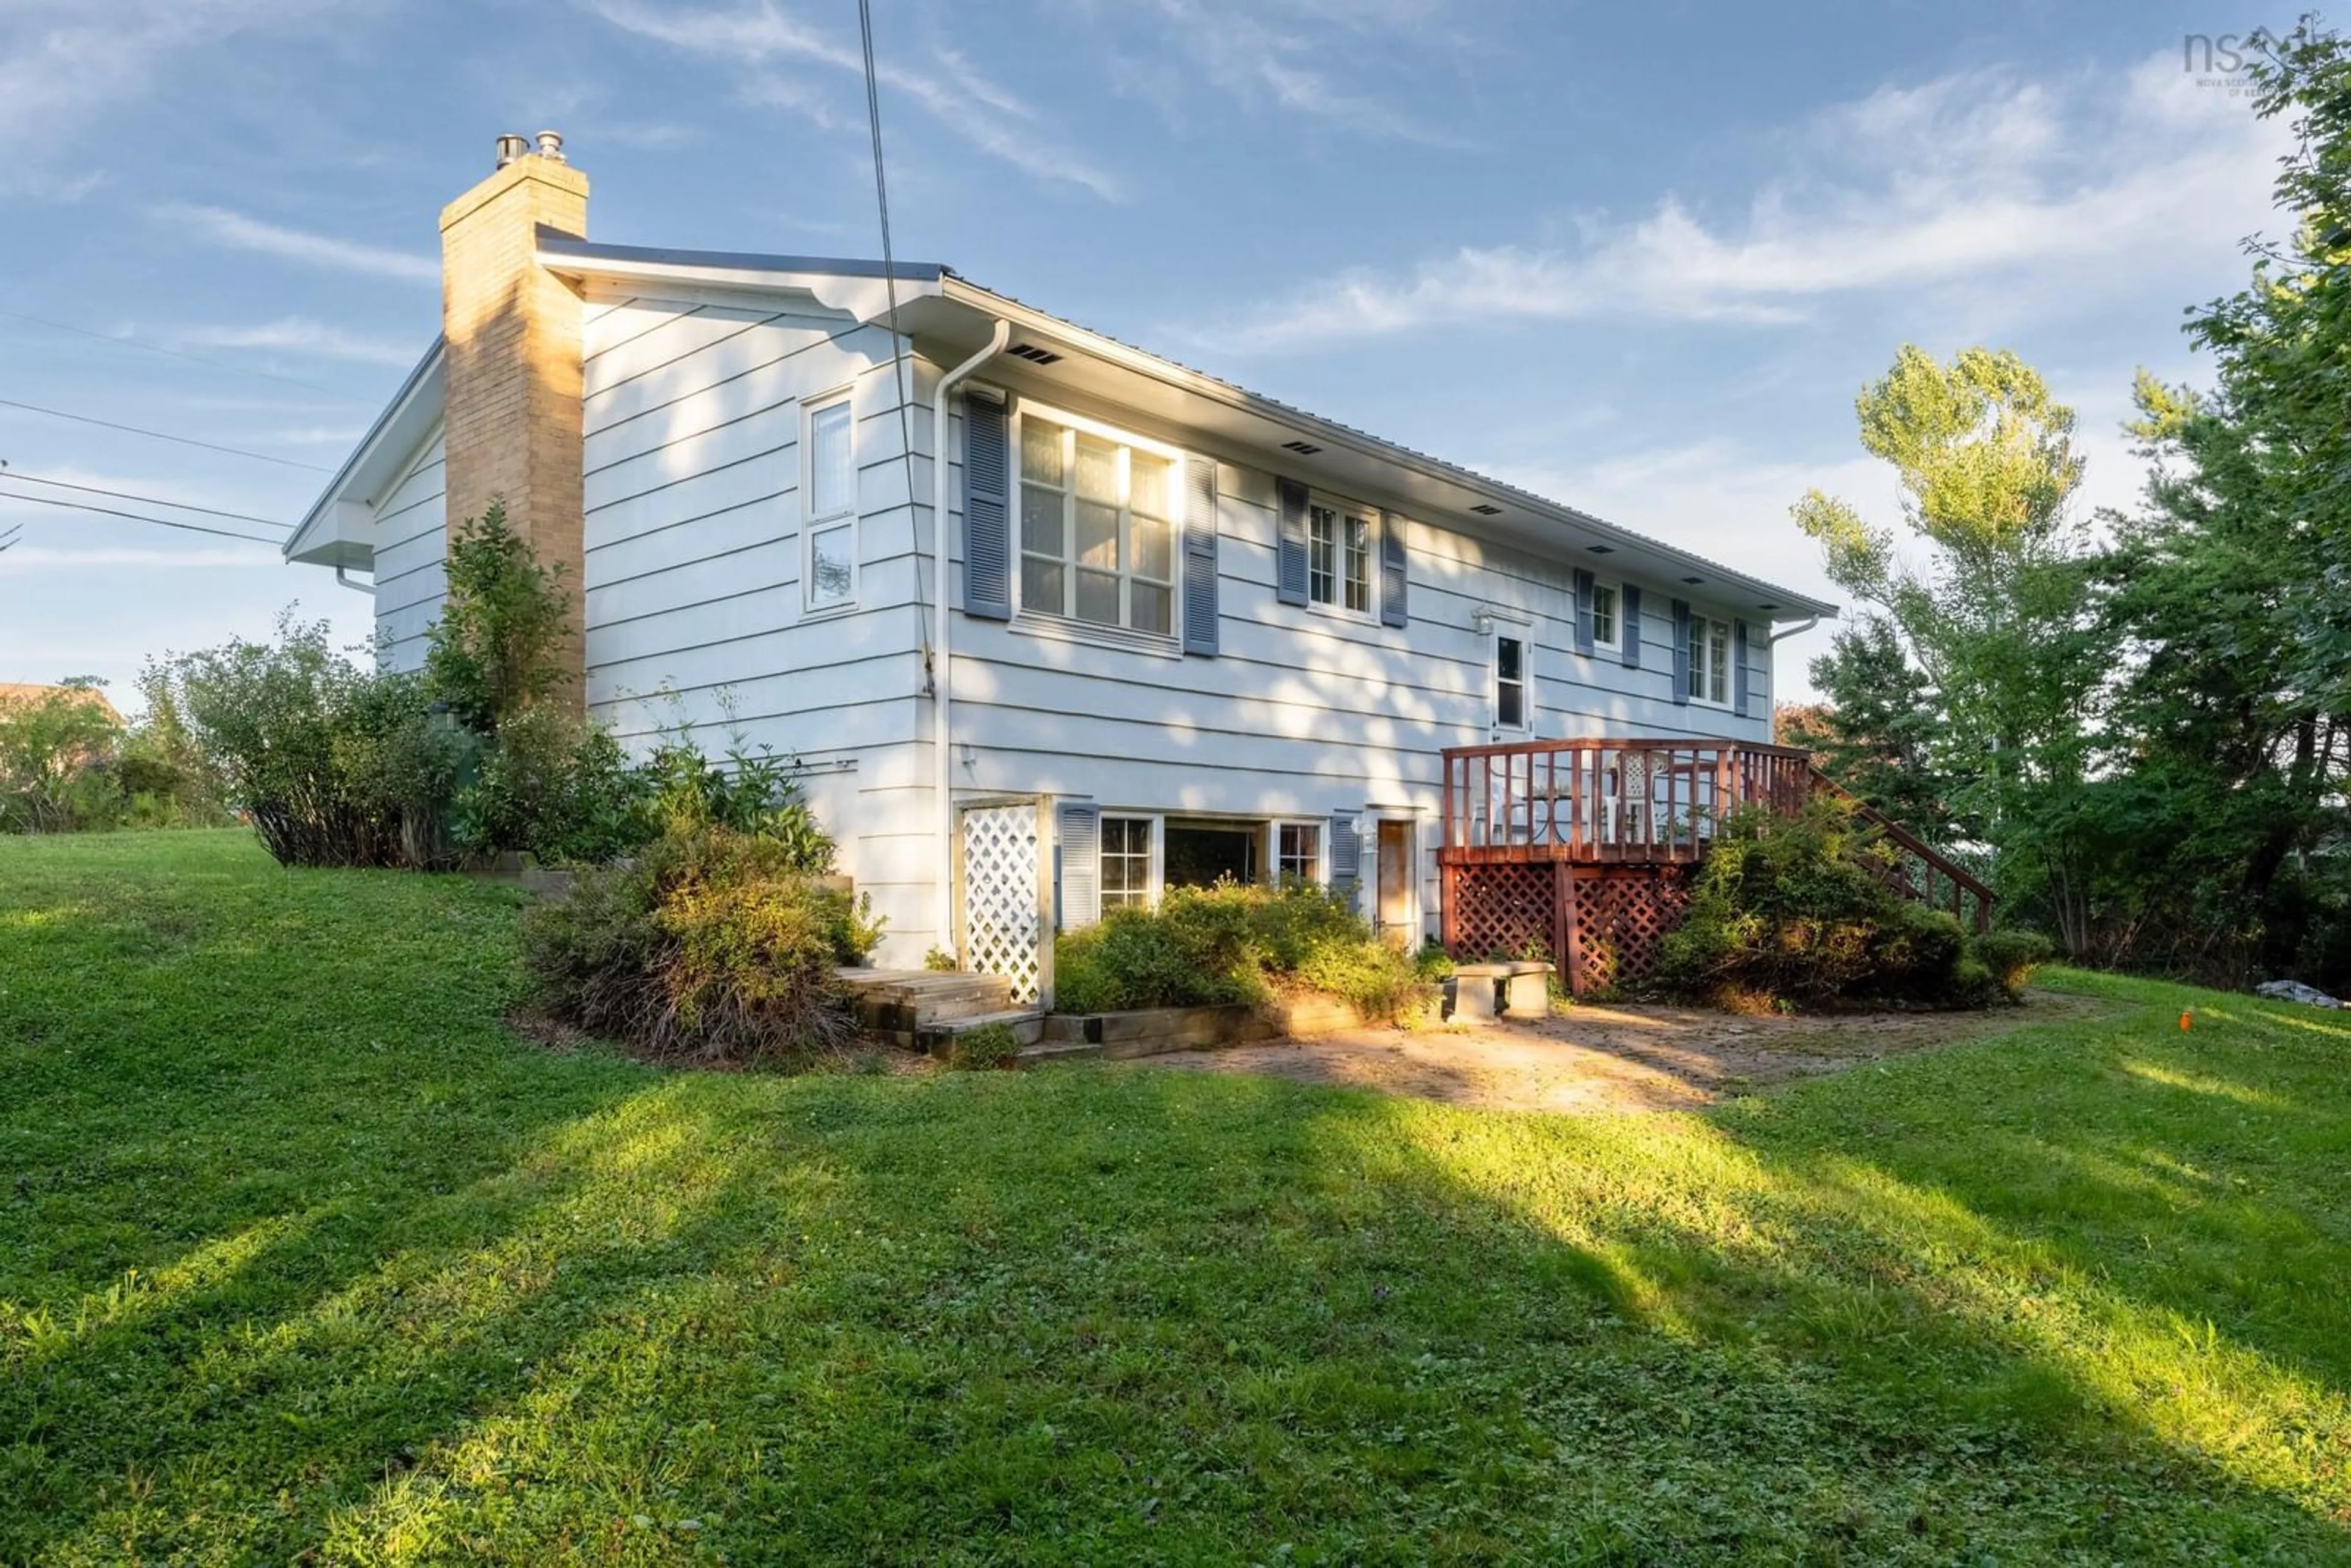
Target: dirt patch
(1631, 1057)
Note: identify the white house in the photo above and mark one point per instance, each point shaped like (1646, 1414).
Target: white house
(1170, 629)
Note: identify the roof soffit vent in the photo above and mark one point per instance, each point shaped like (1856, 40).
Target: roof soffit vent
(1033, 354)
(1304, 448)
(1487, 510)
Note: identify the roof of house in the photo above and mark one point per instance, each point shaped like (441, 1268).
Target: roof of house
(933, 300)
(12, 693)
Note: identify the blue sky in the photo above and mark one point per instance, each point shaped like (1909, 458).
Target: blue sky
(1641, 266)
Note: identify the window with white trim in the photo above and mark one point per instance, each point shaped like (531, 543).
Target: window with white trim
(1339, 557)
(1298, 852)
(1511, 709)
(1097, 528)
(828, 559)
(1128, 845)
(1604, 603)
(1710, 660)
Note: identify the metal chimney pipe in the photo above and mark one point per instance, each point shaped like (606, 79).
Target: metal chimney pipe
(511, 148)
(550, 146)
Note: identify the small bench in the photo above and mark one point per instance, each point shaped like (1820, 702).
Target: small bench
(1484, 992)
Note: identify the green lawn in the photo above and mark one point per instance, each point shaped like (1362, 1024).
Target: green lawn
(302, 1257)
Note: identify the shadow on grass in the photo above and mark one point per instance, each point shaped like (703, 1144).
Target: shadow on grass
(415, 1291)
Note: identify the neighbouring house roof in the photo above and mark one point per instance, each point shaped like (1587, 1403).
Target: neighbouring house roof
(13, 692)
(939, 307)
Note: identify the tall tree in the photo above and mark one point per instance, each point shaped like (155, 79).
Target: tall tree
(1991, 617)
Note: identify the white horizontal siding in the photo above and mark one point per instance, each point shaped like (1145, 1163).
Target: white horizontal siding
(412, 525)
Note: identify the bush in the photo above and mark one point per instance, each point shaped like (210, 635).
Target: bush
(1232, 943)
(2010, 958)
(1801, 912)
(990, 1046)
(711, 945)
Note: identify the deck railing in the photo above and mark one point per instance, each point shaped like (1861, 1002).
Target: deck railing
(1652, 802)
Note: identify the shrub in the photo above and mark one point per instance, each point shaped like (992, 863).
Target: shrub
(58, 749)
(709, 947)
(498, 647)
(990, 1046)
(278, 722)
(2010, 958)
(1232, 943)
(1801, 912)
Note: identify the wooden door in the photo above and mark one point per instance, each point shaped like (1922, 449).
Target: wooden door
(1395, 870)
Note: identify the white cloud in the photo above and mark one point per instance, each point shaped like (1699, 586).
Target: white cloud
(238, 232)
(295, 334)
(65, 62)
(2045, 187)
(1294, 56)
(957, 96)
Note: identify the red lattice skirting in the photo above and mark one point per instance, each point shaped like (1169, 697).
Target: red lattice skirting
(1602, 924)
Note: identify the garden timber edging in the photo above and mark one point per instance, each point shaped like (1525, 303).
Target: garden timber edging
(1150, 1031)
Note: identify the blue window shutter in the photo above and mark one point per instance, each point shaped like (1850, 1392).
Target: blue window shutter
(1080, 856)
(1584, 584)
(1738, 666)
(987, 509)
(1200, 623)
(1289, 543)
(1393, 606)
(1346, 857)
(1628, 624)
(1681, 651)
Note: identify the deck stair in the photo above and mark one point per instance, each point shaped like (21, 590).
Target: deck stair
(922, 1009)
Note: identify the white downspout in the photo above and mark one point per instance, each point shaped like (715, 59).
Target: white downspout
(942, 665)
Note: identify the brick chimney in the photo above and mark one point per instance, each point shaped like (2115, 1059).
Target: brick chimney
(513, 370)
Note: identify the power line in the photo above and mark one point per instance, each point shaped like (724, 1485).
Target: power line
(124, 342)
(158, 435)
(7, 473)
(897, 334)
(139, 518)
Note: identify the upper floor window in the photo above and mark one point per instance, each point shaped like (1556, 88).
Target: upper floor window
(1710, 660)
(829, 563)
(1509, 683)
(1097, 528)
(1339, 558)
(1605, 607)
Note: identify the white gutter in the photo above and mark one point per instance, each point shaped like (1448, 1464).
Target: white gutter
(1797, 630)
(942, 665)
(343, 577)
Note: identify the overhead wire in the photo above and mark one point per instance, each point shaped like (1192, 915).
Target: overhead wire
(137, 517)
(9, 473)
(897, 334)
(160, 436)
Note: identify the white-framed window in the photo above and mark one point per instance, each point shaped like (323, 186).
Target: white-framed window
(1298, 853)
(1338, 555)
(1606, 615)
(1097, 524)
(829, 514)
(1710, 660)
(1130, 862)
(1513, 685)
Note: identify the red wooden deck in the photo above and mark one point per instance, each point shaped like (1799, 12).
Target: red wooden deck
(1585, 847)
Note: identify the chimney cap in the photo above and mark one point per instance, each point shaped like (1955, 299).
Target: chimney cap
(511, 147)
(550, 146)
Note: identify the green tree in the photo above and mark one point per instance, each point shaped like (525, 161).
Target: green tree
(1992, 619)
(1880, 729)
(56, 747)
(498, 647)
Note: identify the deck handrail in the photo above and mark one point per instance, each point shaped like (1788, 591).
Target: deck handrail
(1655, 800)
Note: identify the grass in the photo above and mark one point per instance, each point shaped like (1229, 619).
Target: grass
(304, 1258)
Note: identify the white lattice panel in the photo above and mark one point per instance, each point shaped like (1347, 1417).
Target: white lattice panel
(1003, 921)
